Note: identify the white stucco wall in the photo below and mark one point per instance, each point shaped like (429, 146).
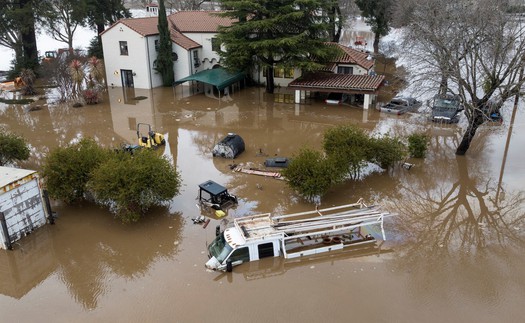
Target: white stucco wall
(154, 76)
(206, 54)
(141, 50)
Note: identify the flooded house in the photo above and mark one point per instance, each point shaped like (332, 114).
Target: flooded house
(194, 50)
(196, 60)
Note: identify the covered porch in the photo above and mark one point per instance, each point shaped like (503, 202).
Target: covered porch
(219, 78)
(366, 85)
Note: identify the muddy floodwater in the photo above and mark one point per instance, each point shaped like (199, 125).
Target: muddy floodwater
(454, 248)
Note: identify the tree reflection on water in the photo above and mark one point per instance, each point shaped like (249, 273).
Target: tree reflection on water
(461, 215)
(456, 238)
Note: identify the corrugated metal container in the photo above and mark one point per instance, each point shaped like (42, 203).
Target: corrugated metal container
(21, 204)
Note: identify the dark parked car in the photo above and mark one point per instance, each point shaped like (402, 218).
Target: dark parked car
(446, 108)
(400, 105)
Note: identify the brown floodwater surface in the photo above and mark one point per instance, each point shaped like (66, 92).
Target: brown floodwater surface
(454, 249)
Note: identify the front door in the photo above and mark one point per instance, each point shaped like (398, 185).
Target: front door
(127, 78)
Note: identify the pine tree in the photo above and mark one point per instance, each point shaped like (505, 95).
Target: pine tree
(276, 34)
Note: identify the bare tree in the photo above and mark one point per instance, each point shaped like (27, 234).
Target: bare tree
(61, 18)
(472, 48)
(185, 4)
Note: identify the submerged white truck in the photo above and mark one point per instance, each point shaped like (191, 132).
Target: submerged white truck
(294, 235)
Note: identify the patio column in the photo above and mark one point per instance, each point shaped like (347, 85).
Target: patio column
(367, 102)
(297, 96)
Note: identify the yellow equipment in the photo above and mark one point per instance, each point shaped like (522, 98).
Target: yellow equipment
(151, 139)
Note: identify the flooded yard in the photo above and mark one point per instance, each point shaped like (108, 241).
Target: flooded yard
(454, 251)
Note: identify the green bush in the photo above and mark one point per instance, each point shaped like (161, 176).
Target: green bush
(66, 171)
(349, 145)
(386, 151)
(12, 147)
(418, 144)
(131, 184)
(310, 173)
(95, 48)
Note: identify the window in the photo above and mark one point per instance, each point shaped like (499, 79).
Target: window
(345, 70)
(240, 254)
(215, 44)
(265, 250)
(123, 48)
(196, 60)
(278, 72)
(156, 45)
(281, 72)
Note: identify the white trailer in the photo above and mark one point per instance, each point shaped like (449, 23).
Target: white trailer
(294, 235)
(22, 207)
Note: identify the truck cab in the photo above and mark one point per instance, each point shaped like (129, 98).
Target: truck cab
(446, 108)
(230, 249)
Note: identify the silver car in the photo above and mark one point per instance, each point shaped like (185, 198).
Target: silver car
(400, 105)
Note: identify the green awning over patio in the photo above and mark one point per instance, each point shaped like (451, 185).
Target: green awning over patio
(218, 77)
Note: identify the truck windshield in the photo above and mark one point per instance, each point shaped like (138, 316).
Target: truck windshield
(444, 104)
(219, 248)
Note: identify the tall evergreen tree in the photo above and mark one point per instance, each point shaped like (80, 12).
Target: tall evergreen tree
(276, 34)
(101, 13)
(105, 12)
(17, 31)
(164, 61)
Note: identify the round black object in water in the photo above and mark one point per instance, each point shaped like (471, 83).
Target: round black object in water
(229, 266)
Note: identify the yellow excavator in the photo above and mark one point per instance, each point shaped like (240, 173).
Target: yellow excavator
(150, 140)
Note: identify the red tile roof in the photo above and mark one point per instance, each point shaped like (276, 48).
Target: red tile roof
(143, 26)
(343, 82)
(184, 22)
(352, 56)
(181, 40)
(198, 21)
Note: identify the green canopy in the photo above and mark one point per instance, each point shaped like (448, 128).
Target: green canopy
(218, 77)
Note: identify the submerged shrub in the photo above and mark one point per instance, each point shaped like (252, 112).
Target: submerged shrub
(311, 174)
(386, 151)
(66, 171)
(12, 147)
(418, 144)
(349, 145)
(131, 184)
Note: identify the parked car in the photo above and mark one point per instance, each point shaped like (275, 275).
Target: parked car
(446, 108)
(336, 98)
(400, 105)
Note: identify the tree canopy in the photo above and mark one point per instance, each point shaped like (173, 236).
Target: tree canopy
(61, 18)
(18, 32)
(129, 184)
(269, 34)
(474, 49)
(347, 149)
(101, 13)
(378, 14)
(12, 147)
